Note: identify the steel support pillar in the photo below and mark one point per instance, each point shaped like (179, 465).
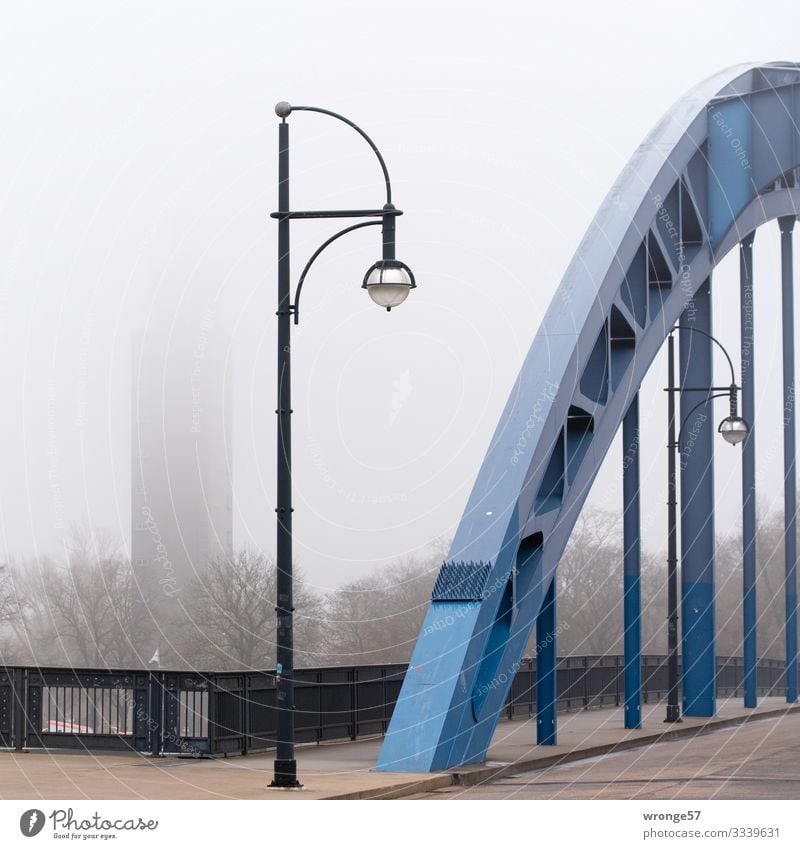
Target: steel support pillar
(631, 529)
(673, 713)
(749, 634)
(546, 678)
(789, 468)
(697, 510)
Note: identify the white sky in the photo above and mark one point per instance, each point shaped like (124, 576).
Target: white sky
(138, 167)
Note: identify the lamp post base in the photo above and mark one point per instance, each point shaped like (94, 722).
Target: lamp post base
(673, 714)
(285, 776)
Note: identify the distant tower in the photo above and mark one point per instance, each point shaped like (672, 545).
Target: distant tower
(181, 499)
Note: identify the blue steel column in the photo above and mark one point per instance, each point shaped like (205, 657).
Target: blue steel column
(546, 678)
(631, 530)
(748, 476)
(697, 512)
(789, 469)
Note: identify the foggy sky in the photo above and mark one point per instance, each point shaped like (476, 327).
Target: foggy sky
(137, 173)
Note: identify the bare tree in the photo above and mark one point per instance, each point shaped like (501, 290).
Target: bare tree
(34, 637)
(376, 619)
(230, 615)
(589, 590)
(769, 590)
(9, 607)
(10, 615)
(91, 610)
(87, 611)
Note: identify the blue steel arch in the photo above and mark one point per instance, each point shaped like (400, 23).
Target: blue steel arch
(724, 160)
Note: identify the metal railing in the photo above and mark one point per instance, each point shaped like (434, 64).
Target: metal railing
(193, 713)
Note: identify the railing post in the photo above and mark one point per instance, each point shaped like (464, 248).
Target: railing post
(383, 700)
(585, 683)
(19, 720)
(155, 703)
(245, 712)
(320, 680)
(645, 678)
(386, 715)
(353, 705)
(211, 714)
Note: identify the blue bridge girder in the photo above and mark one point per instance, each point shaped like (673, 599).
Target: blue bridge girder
(724, 160)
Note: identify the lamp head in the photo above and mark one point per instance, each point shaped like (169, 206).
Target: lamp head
(734, 429)
(388, 282)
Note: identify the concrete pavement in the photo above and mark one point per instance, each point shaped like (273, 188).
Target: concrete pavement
(342, 770)
(755, 760)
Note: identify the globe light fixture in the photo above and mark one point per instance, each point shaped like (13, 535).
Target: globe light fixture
(388, 283)
(734, 429)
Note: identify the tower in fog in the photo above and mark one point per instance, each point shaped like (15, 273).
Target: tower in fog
(181, 499)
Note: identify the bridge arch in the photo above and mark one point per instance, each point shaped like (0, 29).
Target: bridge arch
(724, 160)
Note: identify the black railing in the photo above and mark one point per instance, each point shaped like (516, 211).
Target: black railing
(193, 713)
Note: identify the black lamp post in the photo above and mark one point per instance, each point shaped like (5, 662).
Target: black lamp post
(734, 430)
(388, 283)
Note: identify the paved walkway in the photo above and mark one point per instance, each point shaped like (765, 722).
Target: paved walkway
(754, 760)
(340, 770)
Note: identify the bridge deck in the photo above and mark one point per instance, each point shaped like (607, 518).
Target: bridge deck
(755, 760)
(333, 770)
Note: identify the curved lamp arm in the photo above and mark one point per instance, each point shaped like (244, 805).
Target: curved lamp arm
(696, 407)
(713, 339)
(317, 252)
(288, 109)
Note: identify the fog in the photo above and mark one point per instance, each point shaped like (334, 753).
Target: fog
(137, 173)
